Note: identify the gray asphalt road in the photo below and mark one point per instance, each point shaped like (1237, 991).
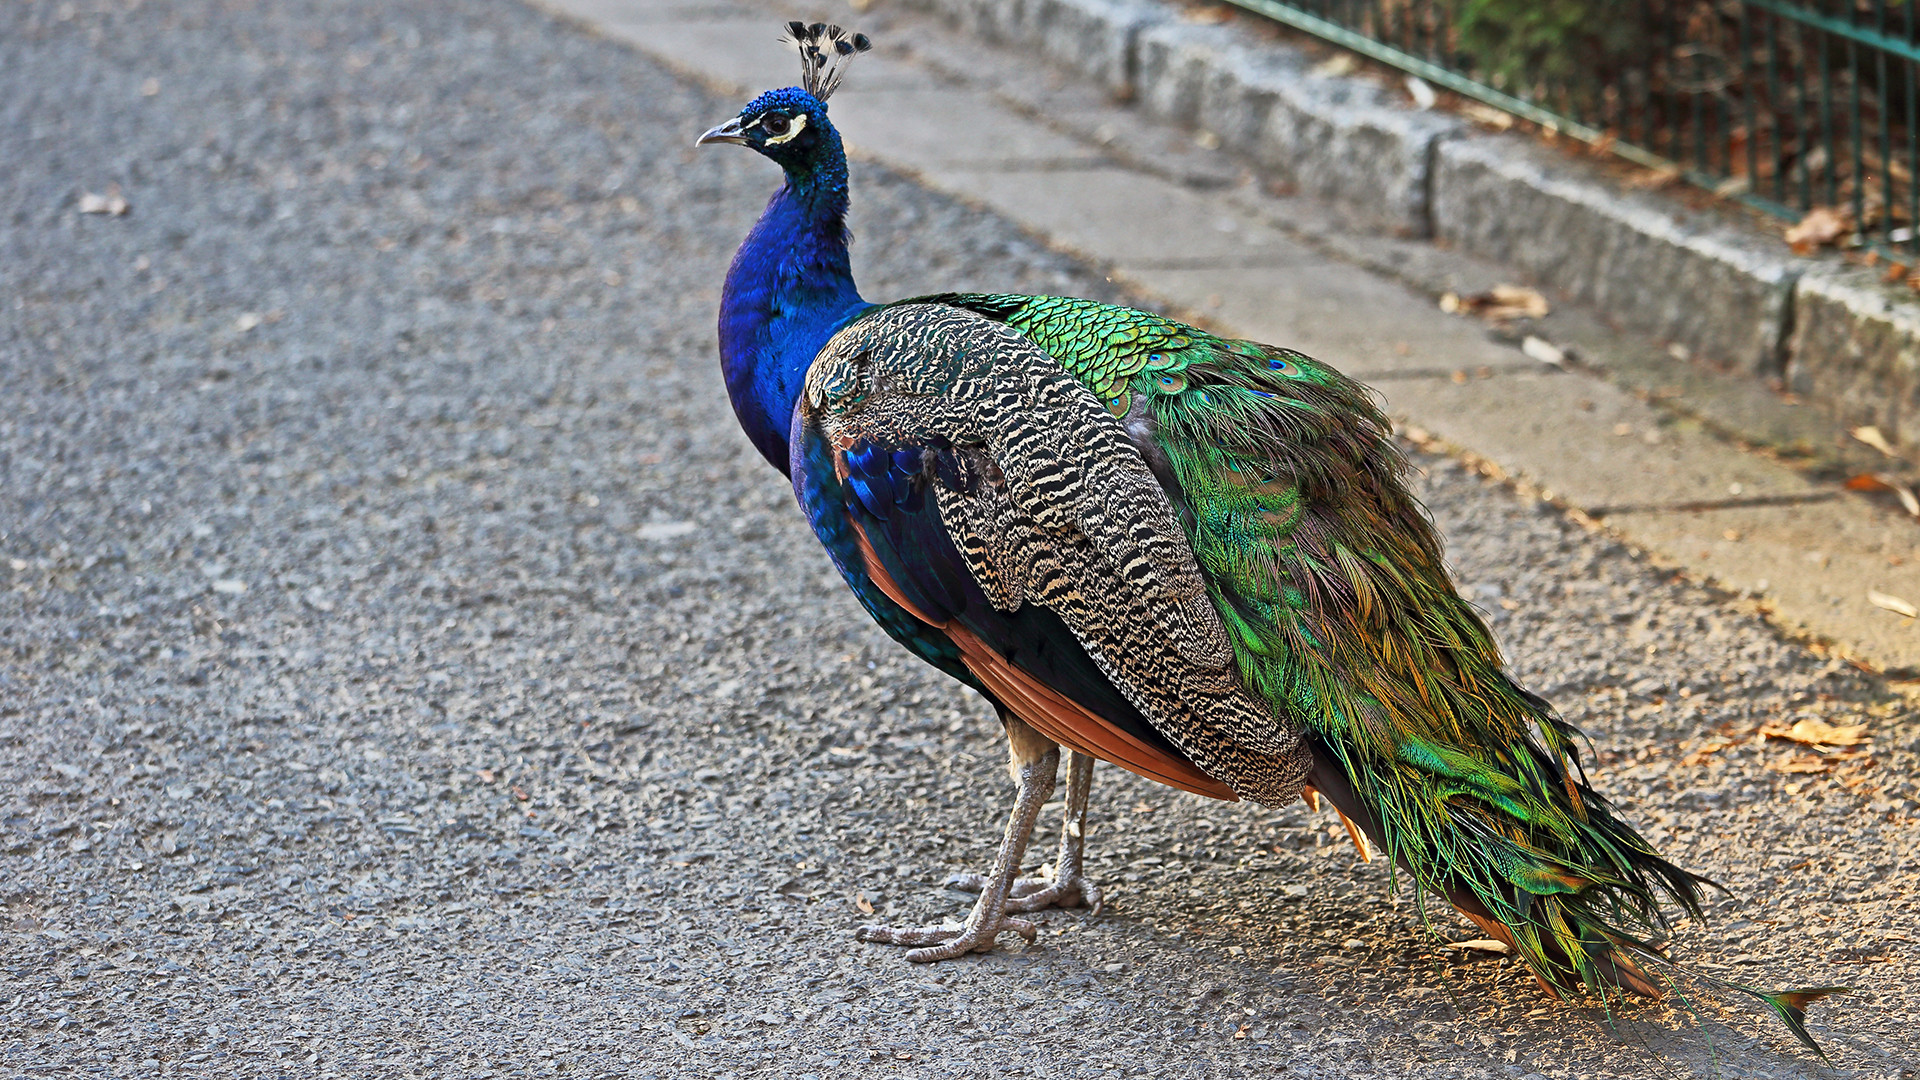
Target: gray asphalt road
(407, 669)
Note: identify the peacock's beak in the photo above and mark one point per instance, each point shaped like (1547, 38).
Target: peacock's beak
(727, 132)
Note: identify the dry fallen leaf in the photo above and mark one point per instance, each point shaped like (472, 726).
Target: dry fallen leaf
(1812, 732)
(1908, 501)
(110, 204)
(865, 905)
(1822, 225)
(1335, 66)
(1892, 603)
(1873, 437)
(1800, 763)
(1713, 746)
(1545, 351)
(1882, 482)
(1499, 302)
(1482, 945)
(1649, 179)
(1486, 114)
(1422, 94)
(1521, 299)
(1858, 775)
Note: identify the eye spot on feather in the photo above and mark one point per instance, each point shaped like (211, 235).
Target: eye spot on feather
(1284, 367)
(1117, 406)
(1277, 519)
(1170, 383)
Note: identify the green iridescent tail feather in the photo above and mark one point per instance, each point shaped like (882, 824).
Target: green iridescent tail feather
(1791, 1007)
(1592, 922)
(1576, 895)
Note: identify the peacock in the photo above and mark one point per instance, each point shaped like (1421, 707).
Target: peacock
(1193, 557)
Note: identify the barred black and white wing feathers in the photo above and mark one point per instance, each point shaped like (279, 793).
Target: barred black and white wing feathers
(991, 494)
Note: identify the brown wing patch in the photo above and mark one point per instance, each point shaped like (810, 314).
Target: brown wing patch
(1067, 723)
(1050, 712)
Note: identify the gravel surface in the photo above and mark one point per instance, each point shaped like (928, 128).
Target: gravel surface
(406, 668)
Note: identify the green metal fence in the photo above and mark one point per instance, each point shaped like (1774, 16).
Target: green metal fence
(1788, 105)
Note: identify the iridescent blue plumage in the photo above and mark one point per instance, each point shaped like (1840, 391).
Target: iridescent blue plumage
(790, 287)
(823, 497)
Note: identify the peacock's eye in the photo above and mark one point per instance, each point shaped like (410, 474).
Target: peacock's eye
(775, 123)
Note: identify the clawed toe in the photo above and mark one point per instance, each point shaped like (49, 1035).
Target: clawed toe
(970, 882)
(999, 892)
(974, 883)
(902, 935)
(943, 942)
(1035, 894)
(1061, 894)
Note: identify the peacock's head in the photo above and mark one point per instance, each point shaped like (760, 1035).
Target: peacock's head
(786, 125)
(790, 126)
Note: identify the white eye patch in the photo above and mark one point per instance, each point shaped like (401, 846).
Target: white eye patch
(799, 125)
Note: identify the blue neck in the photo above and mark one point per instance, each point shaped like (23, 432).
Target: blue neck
(790, 289)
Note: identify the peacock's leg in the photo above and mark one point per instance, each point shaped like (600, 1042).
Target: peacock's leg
(1035, 761)
(1069, 886)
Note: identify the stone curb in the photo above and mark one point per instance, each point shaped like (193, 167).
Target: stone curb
(1330, 137)
(1856, 350)
(1827, 332)
(1520, 204)
(1098, 38)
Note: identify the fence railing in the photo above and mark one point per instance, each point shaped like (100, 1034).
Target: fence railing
(1788, 105)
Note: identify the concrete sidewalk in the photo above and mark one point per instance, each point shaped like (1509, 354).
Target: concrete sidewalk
(1191, 229)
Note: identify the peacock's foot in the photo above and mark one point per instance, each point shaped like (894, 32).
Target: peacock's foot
(944, 943)
(1035, 894)
(1035, 761)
